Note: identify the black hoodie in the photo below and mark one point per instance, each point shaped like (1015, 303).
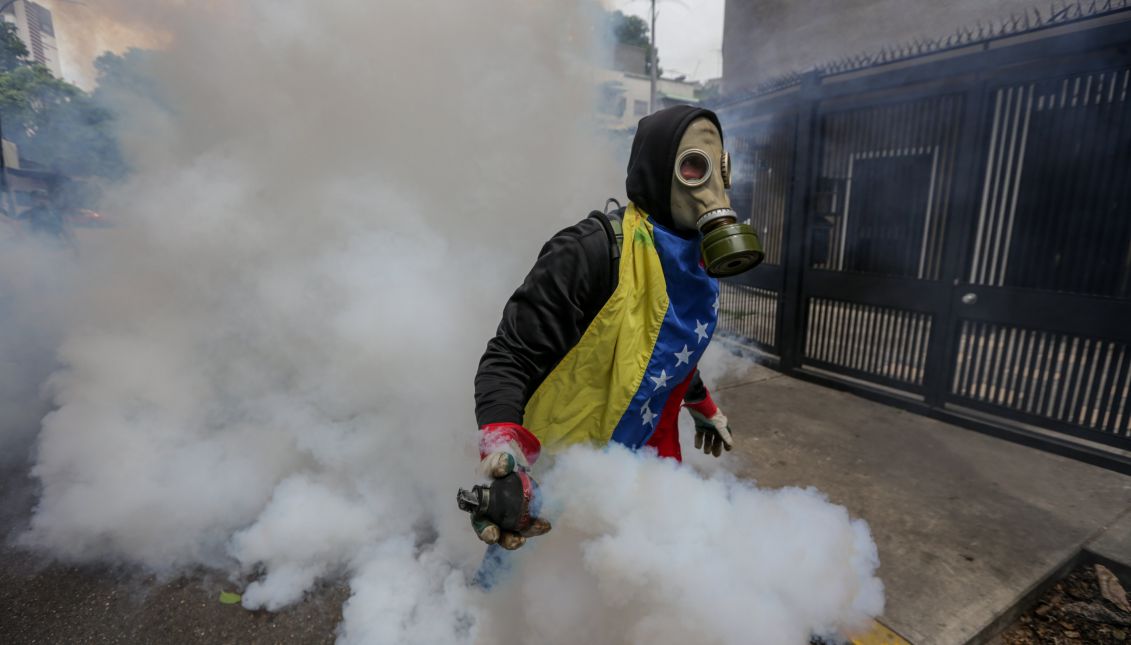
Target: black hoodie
(573, 278)
(652, 162)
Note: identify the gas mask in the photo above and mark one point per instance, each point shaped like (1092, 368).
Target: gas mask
(699, 202)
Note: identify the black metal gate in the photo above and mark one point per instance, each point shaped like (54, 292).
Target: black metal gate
(951, 231)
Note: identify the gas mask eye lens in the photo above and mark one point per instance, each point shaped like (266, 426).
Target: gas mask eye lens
(693, 167)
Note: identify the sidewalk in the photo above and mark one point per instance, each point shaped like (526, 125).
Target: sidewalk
(966, 524)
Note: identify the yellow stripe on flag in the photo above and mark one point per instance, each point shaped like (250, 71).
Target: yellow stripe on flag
(585, 396)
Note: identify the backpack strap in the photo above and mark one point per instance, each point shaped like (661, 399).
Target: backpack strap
(613, 223)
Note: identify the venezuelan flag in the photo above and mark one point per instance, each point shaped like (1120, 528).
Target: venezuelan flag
(644, 342)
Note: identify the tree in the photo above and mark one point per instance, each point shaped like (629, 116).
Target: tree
(633, 30)
(55, 124)
(13, 52)
(127, 78)
(630, 30)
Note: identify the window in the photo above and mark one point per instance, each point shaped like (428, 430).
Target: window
(640, 108)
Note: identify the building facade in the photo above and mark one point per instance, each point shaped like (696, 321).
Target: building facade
(37, 30)
(625, 89)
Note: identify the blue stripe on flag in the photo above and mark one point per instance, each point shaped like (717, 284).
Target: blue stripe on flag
(684, 334)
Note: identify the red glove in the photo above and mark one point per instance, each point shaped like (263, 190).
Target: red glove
(503, 449)
(507, 439)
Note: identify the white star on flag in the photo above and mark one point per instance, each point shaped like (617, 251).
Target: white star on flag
(716, 305)
(647, 414)
(700, 330)
(683, 357)
(661, 380)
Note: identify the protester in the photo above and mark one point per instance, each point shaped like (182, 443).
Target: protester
(602, 341)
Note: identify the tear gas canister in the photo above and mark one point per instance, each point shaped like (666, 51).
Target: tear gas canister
(509, 502)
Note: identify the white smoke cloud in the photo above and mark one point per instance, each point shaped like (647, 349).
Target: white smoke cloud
(31, 295)
(648, 551)
(267, 362)
(726, 362)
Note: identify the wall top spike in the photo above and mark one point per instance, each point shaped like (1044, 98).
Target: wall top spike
(962, 37)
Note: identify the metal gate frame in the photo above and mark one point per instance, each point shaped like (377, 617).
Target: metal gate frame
(791, 115)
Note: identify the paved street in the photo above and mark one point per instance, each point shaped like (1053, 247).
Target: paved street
(50, 604)
(56, 604)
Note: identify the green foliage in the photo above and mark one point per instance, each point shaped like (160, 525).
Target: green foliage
(13, 53)
(633, 30)
(54, 123)
(630, 30)
(126, 75)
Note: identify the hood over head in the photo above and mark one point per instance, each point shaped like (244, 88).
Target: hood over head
(651, 164)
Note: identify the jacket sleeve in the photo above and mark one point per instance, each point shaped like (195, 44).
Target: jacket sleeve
(696, 390)
(698, 398)
(543, 320)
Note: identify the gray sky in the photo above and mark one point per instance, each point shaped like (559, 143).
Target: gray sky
(689, 34)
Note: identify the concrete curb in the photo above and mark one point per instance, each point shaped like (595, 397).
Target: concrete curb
(1026, 599)
(880, 634)
(1114, 544)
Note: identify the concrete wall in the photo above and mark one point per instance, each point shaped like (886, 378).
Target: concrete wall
(630, 59)
(763, 39)
(37, 31)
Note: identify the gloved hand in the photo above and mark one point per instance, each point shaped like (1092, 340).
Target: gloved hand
(503, 449)
(712, 433)
(712, 430)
